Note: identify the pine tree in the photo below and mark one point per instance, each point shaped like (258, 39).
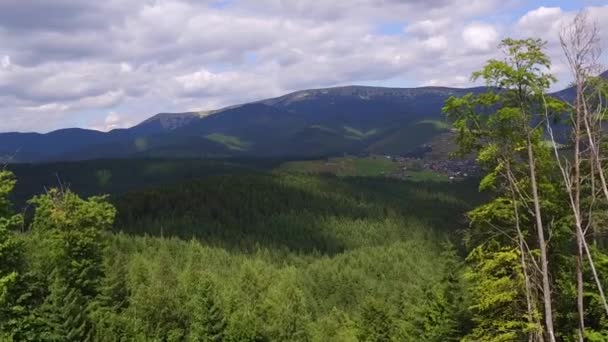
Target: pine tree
(208, 322)
(376, 322)
(336, 326)
(287, 310)
(65, 314)
(113, 291)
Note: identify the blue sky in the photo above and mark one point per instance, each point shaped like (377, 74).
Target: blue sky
(109, 64)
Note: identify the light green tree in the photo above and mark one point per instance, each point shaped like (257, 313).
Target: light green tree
(503, 126)
(208, 323)
(11, 259)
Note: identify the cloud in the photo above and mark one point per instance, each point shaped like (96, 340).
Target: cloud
(113, 120)
(542, 19)
(480, 37)
(5, 62)
(63, 58)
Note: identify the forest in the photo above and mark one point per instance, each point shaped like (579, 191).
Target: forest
(256, 257)
(518, 255)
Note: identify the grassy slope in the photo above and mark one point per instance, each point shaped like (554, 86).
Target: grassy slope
(233, 143)
(343, 166)
(408, 138)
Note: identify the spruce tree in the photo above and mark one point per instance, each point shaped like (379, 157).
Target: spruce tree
(208, 322)
(65, 314)
(376, 322)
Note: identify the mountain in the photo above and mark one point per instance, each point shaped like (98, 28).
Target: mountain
(569, 94)
(307, 123)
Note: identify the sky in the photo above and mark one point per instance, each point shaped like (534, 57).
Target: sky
(113, 63)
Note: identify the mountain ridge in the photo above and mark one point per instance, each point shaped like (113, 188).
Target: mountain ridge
(318, 121)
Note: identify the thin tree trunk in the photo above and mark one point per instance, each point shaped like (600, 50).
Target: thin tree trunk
(542, 244)
(594, 146)
(580, 304)
(524, 265)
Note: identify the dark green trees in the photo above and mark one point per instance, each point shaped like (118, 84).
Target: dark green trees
(11, 260)
(64, 314)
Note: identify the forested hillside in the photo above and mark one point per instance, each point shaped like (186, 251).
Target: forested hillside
(242, 258)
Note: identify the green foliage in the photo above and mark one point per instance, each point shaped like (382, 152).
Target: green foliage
(496, 286)
(64, 314)
(116, 177)
(270, 258)
(376, 322)
(11, 258)
(62, 268)
(74, 229)
(336, 326)
(504, 127)
(208, 323)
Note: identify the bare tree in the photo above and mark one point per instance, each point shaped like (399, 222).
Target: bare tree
(580, 43)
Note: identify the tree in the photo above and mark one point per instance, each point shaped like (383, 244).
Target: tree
(11, 257)
(496, 287)
(502, 127)
(287, 309)
(75, 230)
(208, 323)
(336, 326)
(72, 232)
(581, 45)
(376, 322)
(65, 314)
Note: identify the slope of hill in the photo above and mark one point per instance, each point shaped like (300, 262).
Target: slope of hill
(118, 176)
(315, 122)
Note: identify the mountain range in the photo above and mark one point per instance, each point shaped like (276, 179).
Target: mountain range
(307, 123)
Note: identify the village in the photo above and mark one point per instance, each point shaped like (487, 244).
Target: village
(421, 160)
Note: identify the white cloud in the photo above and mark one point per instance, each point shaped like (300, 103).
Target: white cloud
(428, 26)
(5, 62)
(125, 67)
(542, 19)
(436, 43)
(113, 120)
(138, 57)
(480, 37)
(47, 107)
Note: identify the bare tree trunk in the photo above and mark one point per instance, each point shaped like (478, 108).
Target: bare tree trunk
(576, 208)
(524, 265)
(580, 304)
(580, 43)
(542, 244)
